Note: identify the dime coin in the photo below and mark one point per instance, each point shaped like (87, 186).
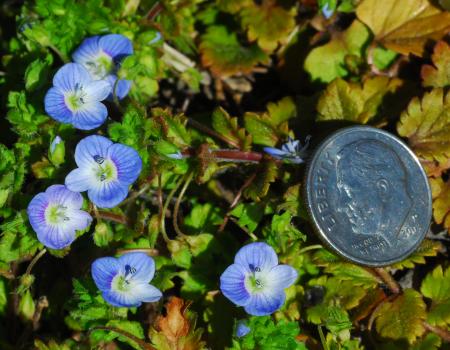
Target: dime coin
(368, 196)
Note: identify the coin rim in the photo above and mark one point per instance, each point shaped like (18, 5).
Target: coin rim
(308, 200)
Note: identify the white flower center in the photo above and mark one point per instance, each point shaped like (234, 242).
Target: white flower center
(255, 281)
(105, 171)
(75, 99)
(56, 214)
(100, 66)
(122, 282)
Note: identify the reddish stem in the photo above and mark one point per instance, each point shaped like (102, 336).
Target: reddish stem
(121, 219)
(228, 155)
(443, 333)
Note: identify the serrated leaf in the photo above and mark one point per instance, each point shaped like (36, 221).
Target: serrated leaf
(177, 330)
(427, 248)
(426, 124)
(436, 286)
(37, 72)
(229, 128)
(267, 173)
(358, 275)
(402, 318)
(327, 62)
(354, 102)
(438, 74)
(404, 26)
(269, 127)
(441, 201)
(269, 23)
(225, 55)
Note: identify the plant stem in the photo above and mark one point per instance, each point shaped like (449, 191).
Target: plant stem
(142, 344)
(213, 133)
(34, 261)
(228, 155)
(164, 209)
(178, 202)
(236, 201)
(120, 219)
(387, 278)
(443, 333)
(309, 248)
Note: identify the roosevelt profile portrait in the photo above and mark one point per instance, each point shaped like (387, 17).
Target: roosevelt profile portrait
(373, 192)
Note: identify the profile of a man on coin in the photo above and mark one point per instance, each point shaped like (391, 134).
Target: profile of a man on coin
(373, 191)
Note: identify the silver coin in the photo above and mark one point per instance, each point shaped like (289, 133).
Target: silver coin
(368, 196)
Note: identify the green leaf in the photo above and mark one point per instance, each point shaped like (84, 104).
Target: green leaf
(436, 286)
(267, 173)
(441, 204)
(430, 342)
(426, 124)
(383, 58)
(438, 74)
(404, 26)
(354, 102)
(17, 240)
(249, 215)
(327, 62)
(402, 318)
(269, 23)
(427, 248)
(225, 55)
(267, 128)
(37, 72)
(229, 128)
(265, 335)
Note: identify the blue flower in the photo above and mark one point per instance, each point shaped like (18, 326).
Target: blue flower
(75, 98)
(56, 141)
(327, 11)
(242, 329)
(55, 215)
(105, 170)
(101, 56)
(124, 282)
(256, 281)
(292, 151)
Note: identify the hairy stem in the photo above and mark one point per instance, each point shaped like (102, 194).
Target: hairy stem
(120, 219)
(142, 344)
(387, 278)
(443, 333)
(35, 260)
(178, 202)
(213, 133)
(164, 209)
(228, 155)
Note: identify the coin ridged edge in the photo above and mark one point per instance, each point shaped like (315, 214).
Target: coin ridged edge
(307, 201)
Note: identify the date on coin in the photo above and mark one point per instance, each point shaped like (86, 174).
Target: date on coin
(368, 196)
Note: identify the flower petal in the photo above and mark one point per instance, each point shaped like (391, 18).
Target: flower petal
(55, 106)
(80, 180)
(56, 237)
(281, 276)
(61, 195)
(232, 284)
(87, 51)
(116, 45)
(36, 212)
(120, 299)
(108, 195)
(89, 147)
(275, 152)
(121, 89)
(78, 219)
(71, 75)
(127, 161)
(265, 303)
(144, 265)
(146, 292)
(97, 90)
(91, 116)
(255, 255)
(103, 271)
